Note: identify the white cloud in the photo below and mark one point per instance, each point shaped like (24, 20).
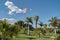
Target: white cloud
(10, 20)
(13, 8)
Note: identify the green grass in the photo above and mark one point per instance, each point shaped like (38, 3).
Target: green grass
(22, 36)
(33, 39)
(26, 37)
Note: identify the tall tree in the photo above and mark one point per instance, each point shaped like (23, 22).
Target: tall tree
(53, 22)
(29, 20)
(5, 23)
(4, 26)
(36, 20)
(41, 24)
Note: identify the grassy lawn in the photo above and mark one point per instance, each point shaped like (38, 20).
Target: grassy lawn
(33, 39)
(26, 37)
(22, 36)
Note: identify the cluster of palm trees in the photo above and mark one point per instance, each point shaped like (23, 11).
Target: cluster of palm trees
(54, 22)
(9, 30)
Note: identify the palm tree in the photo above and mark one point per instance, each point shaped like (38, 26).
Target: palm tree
(41, 24)
(36, 20)
(53, 22)
(29, 20)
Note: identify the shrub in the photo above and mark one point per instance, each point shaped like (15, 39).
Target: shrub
(58, 38)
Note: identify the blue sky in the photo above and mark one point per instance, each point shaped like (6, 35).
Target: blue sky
(45, 9)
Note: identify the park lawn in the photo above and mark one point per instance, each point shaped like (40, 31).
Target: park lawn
(33, 39)
(22, 36)
(26, 37)
(43, 39)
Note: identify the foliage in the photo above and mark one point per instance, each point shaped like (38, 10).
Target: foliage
(36, 20)
(41, 24)
(58, 38)
(53, 21)
(29, 20)
(8, 31)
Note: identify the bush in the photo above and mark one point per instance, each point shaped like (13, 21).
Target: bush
(58, 38)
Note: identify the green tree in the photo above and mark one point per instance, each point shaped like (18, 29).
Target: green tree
(4, 27)
(41, 24)
(7, 30)
(36, 20)
(53, 22)
(19, 24)
(29, 20)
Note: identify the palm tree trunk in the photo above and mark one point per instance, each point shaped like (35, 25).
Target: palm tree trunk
(55, 30)
(36, 25)
(28, 30)
(36, 28)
